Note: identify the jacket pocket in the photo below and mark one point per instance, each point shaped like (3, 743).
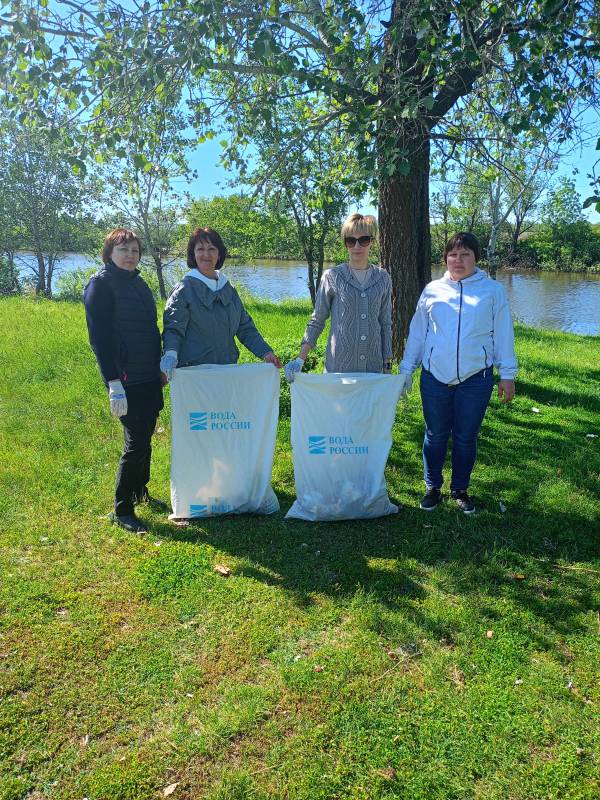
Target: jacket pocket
(485, 357)
(429, 361)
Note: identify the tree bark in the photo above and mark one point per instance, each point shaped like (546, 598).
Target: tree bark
(50, 273)
(143, 211)
(13, 274)
(496, 220)
(405, 242)
(491, 252)
(159, 273)
(40, 287)
(307, 242)
(514, 235)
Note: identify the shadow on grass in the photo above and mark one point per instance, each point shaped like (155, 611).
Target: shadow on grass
(393, 558)
(564, 398)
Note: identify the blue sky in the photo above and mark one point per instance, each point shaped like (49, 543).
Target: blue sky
(212, 178)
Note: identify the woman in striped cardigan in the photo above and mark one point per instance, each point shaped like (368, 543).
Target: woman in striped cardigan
(357, 296)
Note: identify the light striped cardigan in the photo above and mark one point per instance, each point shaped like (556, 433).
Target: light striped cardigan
(360, 339)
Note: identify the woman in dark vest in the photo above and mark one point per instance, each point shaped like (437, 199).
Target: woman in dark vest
(121, 319)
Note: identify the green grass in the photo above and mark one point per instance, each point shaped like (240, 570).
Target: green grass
(347, 660)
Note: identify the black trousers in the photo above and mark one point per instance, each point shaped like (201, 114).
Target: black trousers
(144, 401)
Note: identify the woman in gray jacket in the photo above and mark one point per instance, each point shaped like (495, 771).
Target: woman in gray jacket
(204, 313)
(358, 297)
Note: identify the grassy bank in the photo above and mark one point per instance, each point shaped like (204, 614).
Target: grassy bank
(421, 657)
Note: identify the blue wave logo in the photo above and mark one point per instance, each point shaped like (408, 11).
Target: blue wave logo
(198, 420)
(198, 511)
(317, 445)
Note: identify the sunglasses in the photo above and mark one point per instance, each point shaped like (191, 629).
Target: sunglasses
(363, 241)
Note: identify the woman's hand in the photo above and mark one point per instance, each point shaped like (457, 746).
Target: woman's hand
(292, 369)
(168, 363)
(271, 358)
(405, 385)
(506, 391)
(117, 398)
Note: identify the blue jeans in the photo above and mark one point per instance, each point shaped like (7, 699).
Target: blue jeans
(456, 410)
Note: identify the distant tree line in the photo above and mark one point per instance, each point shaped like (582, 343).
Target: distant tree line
(49, 206)
(546, 232)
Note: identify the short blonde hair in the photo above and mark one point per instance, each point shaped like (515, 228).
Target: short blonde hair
(359, 225)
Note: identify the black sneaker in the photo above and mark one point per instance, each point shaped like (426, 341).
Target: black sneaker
(130, 523)
(431, 499)
(463, 501)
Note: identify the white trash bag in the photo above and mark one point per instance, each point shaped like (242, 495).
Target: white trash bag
(224, 427)
(341, 438)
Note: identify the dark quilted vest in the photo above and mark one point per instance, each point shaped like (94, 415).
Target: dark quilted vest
(136, 335)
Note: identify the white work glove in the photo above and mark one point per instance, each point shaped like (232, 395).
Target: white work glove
(168, 363)
(292, 369)
(117, 399)
(405, 385)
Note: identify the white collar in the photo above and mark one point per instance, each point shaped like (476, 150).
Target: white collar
(214, 284)
(474, 276)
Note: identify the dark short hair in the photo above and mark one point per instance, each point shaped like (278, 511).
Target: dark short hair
(205, 235)
(466, 240)
(118, 236)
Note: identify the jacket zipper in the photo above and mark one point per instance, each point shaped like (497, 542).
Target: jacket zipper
(458, 334)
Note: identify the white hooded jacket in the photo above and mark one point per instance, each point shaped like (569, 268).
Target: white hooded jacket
(460, 328)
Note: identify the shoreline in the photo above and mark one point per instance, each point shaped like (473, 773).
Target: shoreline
(235, 260)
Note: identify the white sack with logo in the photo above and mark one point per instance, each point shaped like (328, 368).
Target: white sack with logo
(341, 438)
(224, 427)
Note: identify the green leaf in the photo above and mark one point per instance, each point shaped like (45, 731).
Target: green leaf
(514, 40)
(78, 166)
(594, 199)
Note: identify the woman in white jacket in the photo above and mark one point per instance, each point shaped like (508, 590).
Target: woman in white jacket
(461, 329)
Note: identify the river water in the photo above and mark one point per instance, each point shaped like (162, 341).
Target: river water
(560, 301)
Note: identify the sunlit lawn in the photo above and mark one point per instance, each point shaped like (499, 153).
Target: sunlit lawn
(420, 656)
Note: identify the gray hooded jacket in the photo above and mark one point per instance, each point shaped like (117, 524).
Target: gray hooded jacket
(200, 325)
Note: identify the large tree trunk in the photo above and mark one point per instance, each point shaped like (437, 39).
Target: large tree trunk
(405, 233)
